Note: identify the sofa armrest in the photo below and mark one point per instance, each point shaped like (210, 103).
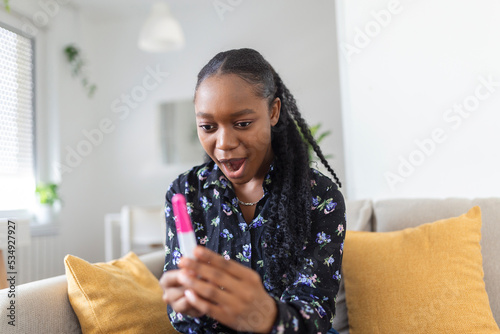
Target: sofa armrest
(40, 307)
(155, 262)
(43, 306)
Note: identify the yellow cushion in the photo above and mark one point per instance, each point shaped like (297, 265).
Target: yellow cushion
(427, 279)
(121, 296)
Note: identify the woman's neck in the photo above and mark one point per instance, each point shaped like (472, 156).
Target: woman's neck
(252, 190)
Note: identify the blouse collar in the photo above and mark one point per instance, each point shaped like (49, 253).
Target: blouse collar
(217, 179)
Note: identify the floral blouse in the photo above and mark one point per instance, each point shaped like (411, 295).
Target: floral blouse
(307, 305)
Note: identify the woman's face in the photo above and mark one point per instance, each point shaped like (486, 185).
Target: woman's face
(234, 127)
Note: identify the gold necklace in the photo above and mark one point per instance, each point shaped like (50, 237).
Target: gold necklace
(248, 204)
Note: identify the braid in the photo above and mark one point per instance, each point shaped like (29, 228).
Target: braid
(290, 209)
(289, 224)
(294, 111)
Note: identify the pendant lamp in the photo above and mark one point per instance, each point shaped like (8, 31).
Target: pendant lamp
(161, 31)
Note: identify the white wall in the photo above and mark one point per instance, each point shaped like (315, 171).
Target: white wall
(124, 166)
(401, 80)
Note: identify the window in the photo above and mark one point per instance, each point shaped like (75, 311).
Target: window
(17, 153)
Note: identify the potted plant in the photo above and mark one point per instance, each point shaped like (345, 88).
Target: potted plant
(6, 5)
(318, 137)
(78, 68)
(47, 198)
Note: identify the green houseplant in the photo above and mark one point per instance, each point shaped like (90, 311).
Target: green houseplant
(47, 193)
(75, 59)
(47, 198)
(318, 137)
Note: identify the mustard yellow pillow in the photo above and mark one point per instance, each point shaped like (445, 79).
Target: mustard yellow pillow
(121, 296)
(427, 279)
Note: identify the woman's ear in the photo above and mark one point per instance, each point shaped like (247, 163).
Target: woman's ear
(275, 111)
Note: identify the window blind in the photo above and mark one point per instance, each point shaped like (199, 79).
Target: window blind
(17, 177)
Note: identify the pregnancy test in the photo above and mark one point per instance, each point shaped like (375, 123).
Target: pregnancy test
(185, 233)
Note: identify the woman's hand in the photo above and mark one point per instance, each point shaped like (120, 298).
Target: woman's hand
(173, 294)
(224, 290)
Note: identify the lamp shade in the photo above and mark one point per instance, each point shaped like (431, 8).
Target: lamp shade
(161, 31)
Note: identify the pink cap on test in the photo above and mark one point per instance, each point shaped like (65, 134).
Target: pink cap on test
(182, 222)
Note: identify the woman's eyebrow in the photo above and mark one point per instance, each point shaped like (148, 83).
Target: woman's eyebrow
(202, 114)
(243, 112)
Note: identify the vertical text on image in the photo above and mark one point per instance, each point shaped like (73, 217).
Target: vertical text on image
(11, 272)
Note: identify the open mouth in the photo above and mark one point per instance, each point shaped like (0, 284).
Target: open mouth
(233, 166)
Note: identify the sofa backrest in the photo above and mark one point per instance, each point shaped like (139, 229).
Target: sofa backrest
(43, 306)
(40, 307)
(398, 214)
(359, 216)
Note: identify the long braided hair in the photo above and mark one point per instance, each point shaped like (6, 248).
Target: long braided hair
(289, 224)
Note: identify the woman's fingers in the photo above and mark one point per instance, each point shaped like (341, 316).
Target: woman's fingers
(239, 312)
(225, 290)
(169, 279)
(213, 267)
(173, 293)
(184, 306)
(208, 273)
(206, 307)
(208, 290)
(172, 288)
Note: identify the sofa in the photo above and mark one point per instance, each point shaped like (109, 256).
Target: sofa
(43, 306)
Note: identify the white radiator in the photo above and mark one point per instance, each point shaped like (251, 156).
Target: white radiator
(30, 253)
(43, 258)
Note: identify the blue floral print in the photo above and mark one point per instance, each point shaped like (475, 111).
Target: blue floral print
(258, 221)
(226, 235)
(323, 239)
(308, 280)
(329, 260)
(205, 203)
(203, 173)
(340, 229)
(167, 211)
(198, 227)
(227, 209)
(315, 202)
(305, 306)
(176, 256)
(330, 206)
(246, 254)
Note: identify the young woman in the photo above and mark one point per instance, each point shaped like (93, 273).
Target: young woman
(272, 227)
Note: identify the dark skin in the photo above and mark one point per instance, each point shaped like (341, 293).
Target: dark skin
(233, 124)
(196, 289)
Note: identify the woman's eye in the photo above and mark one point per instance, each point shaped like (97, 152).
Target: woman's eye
(207, 127)
(243, 124)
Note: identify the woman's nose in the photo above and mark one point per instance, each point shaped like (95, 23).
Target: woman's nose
(226, 140)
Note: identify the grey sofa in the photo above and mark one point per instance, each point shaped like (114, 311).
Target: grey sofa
(43, 306)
